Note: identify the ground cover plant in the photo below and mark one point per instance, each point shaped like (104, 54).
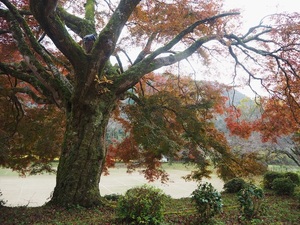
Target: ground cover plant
(279, 210)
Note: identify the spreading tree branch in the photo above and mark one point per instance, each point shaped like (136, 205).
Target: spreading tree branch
(186, 31)
(151, 62)
(55, 29)
(78, 25)
(134, 74)
(146, 49)
(108, 37)
(26, 90)
(58, 86)
(30, 79)
(106, 42)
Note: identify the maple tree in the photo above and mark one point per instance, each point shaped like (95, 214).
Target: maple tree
(48, 65)
(279, 120)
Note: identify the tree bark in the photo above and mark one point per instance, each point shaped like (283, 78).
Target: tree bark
(83, 154)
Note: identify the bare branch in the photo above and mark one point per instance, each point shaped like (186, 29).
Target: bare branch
(119, 62)
(127, 56)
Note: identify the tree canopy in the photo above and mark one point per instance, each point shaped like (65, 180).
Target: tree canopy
(57, 68)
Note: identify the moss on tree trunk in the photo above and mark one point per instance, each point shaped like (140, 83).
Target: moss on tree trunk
(83, 155)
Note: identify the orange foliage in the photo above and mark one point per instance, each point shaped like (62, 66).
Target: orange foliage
(236, 126)
(171, 116)
(278, 119)
(280, 115)
(166, 20)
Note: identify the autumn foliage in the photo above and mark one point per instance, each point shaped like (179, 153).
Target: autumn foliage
(61, 97)
(278, 107)
(236, 125)
(172, 116)
(30, 133)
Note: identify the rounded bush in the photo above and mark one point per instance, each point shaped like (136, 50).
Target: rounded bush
(294, 177)
(208, 201)
(269, 177)
(283, 186)
(234, 185)
(142, 205)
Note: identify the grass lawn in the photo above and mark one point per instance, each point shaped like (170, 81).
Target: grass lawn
(278, 210)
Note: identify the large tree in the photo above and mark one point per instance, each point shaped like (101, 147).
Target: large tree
(81, 80)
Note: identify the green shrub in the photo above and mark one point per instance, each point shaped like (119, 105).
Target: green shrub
(141, 205)
(269, 177)
(250, 199)
(208, 201)
(294, 177)
(112, 197)
(234, 185)
(283, 186)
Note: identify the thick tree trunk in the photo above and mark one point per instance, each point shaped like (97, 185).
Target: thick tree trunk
(83, 155)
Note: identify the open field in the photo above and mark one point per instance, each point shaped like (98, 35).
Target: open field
(35, 190)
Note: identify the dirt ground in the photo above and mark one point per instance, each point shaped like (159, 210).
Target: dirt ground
(35, 190)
